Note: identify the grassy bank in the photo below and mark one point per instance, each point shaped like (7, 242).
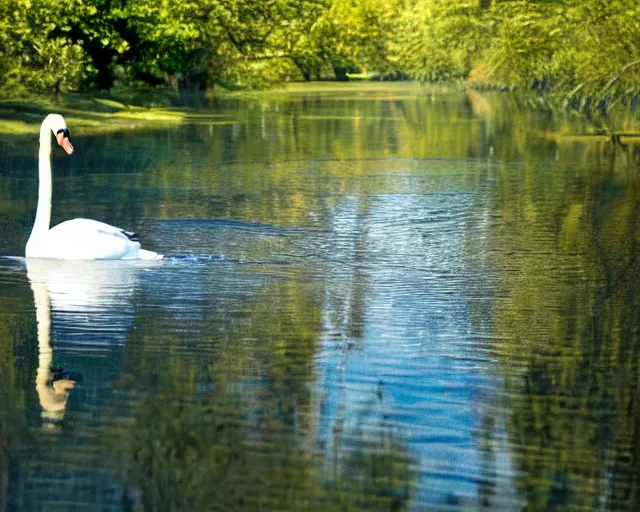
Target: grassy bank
(130, 109)
(90, 113)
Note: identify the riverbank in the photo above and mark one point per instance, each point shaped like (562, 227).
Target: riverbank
(91, 113)
(131, 109)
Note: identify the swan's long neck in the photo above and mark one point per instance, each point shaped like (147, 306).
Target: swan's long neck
(43, 214)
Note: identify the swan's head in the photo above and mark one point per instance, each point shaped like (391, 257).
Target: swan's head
(59, 128)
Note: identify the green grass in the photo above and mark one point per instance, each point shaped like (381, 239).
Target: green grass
(90, 113)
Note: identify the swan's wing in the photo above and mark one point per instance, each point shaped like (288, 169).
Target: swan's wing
(91, 240)
(107, 229)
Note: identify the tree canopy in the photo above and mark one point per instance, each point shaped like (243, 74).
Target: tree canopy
(587, 49)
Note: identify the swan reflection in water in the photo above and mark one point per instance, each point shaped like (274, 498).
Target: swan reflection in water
(84, 310)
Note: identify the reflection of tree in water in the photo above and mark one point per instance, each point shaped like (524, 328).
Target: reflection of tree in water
(76, 332)
(197, 456)
(371, 470)
(237, 430)
(567, 327)
(12, 399)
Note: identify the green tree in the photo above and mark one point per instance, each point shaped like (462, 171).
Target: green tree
(588, 49)
(438, 39)
(350, 35)
(33, 57)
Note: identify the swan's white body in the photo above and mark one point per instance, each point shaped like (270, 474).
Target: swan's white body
(77, 239)
(85, 239)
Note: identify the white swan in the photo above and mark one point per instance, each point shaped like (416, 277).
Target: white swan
(77, 239)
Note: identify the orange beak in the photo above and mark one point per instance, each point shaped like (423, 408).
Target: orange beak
(64, 142)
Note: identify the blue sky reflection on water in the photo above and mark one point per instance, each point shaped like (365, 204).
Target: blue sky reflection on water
(409, 365)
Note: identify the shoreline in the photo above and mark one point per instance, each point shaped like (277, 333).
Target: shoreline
(132, 109)
(93, 114)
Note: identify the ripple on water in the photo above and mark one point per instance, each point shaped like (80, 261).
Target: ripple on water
(336, 323)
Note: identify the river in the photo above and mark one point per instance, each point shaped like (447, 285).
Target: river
(374, 297)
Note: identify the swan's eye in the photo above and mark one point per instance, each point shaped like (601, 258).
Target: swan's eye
(64, 132)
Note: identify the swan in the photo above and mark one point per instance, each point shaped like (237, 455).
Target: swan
(77, 239)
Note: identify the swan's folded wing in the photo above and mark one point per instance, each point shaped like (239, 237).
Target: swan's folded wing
(106, 229)
(91, 239)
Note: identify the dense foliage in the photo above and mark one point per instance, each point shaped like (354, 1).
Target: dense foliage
(586, 49)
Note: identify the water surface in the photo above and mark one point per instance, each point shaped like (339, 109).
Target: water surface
(375, 296)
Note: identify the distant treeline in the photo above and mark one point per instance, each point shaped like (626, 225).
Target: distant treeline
(588, 50)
